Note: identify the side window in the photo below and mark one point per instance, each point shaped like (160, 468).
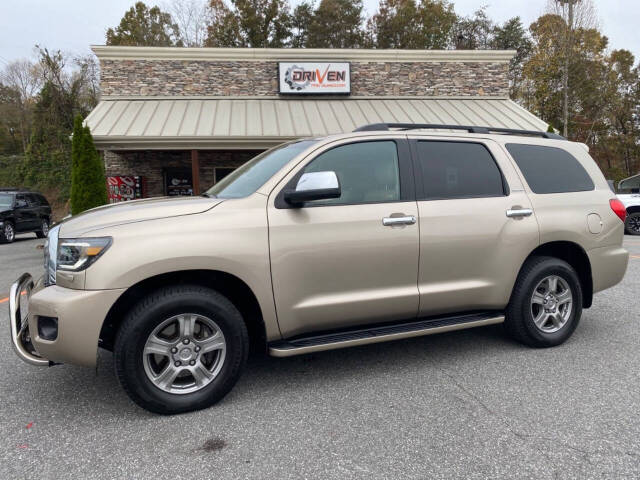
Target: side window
(20, 199)
(32, 200)
(458, 170)
(41, 200)
(368, 172)
(550, 169)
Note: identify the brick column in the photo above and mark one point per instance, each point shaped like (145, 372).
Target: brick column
(195, 171)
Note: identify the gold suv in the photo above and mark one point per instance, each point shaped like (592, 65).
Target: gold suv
(389, 232)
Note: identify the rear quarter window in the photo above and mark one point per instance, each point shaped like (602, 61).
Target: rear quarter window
(550, 169)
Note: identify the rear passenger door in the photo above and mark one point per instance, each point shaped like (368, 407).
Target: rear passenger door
(24, 213)
(476, 225)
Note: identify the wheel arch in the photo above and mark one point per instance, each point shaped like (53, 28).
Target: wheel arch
(633, 209)
(231, 286)
(574, 255)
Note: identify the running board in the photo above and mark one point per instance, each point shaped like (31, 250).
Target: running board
(376, 334)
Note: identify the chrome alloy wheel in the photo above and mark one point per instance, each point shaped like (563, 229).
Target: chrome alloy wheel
(184, 354)
(634, 224)
(9, 232)
(45, 228)
(551, 304)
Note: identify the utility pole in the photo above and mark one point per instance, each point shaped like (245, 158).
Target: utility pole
(565, 74)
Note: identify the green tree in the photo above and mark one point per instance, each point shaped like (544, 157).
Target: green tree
(250, 23)
(300, 24)
(144, 26)
(620, 148)
(407, 24)
(12, 139)
(543, 74)
(337, 24)
(513, 36)
(473, 32)
(66, 92)
(224, 29)
(88, 187)
(47, 161)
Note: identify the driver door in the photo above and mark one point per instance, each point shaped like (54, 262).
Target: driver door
(334, 263)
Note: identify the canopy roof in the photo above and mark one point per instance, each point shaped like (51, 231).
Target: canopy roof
(145, 123)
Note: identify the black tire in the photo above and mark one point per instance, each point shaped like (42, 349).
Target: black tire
(150, 312)
(519, 321)
(44, 229)
(632, 224)
(7, 233)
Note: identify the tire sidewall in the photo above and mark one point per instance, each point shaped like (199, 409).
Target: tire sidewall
(544, 269)
(129, 357)
(44, 227)
(627, 228)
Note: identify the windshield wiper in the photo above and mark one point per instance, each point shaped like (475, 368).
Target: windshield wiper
(207, 195)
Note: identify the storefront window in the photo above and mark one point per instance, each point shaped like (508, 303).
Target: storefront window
(253, 174)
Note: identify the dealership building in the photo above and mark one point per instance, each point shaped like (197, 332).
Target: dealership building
(177, 120)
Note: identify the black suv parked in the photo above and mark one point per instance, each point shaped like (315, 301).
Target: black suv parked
(23, 211)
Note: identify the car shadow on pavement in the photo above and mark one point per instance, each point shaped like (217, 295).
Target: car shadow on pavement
(266, 376)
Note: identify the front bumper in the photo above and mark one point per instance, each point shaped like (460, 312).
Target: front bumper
(18, 321)
(80, 315)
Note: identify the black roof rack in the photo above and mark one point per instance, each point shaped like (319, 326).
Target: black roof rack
(467, 128)
(10, 189)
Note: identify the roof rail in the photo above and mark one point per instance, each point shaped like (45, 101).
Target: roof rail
(10, 189)
(467, 128)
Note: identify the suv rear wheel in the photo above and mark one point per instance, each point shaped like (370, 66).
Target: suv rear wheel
(632, 224)
(546, 303)
(8, 233)
(44, 229)
(180, 349)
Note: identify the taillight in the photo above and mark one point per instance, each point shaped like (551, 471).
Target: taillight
(618, 208)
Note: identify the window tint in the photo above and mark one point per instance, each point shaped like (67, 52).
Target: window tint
(550, 169)
(367, 171)
(458, 170)
(6, 201)
(32, 201)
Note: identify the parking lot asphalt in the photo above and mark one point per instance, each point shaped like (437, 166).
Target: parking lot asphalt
(468, 404)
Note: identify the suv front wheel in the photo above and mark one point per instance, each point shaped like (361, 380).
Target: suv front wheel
(546, 303)
(180, 349)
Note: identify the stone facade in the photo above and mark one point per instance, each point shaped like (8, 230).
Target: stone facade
(130, 71)
(251, 78)
(151, 164)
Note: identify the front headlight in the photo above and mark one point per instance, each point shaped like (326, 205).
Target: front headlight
(51, 256)
(76, 254)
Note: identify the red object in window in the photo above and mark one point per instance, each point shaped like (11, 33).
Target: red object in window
(618, 208)
(123, 188)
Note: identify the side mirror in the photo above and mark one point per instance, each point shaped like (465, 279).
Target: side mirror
(21, 203)
(314, 186)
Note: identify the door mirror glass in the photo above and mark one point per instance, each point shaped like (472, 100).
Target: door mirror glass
(21, 203)
(314, 186)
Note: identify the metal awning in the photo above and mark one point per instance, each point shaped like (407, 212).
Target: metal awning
(261, 122)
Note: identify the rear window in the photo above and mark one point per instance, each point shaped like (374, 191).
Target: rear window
(458, 170)
(550, 169)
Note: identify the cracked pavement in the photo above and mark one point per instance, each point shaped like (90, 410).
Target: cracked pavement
(468, 404)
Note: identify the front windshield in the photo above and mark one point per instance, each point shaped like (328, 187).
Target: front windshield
(252, 175)
(6, 201)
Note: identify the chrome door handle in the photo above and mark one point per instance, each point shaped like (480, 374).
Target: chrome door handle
(520, 212)
(391, 221)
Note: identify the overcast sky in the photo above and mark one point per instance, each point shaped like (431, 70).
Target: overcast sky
(73, 25)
